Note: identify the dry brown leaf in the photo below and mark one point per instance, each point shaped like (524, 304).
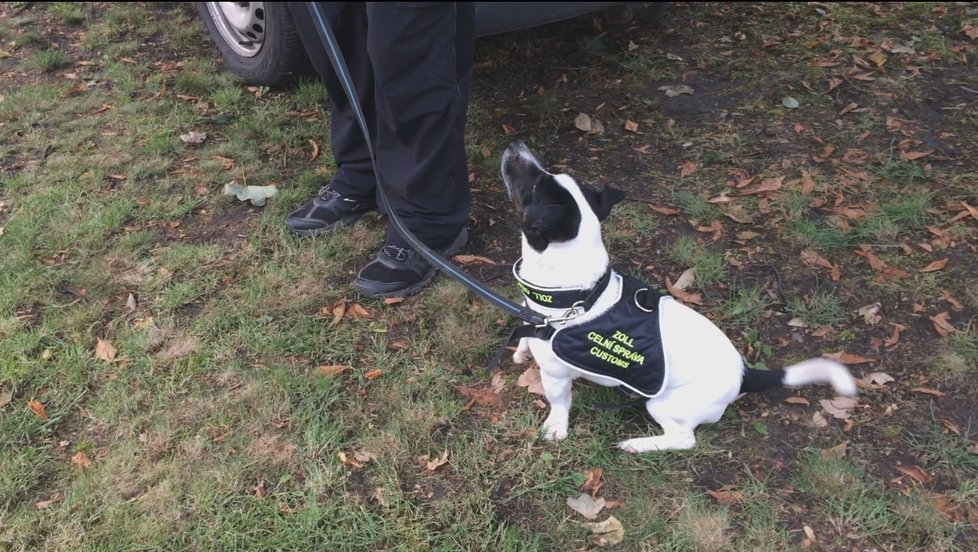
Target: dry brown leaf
(5, 398)
(915, 473)
(594, 481)
(687, 169)
(339, 311)
(436, 463)
(469, 259)
(818, 420)
(315, 150)
(364, 456)
(893, 339)
(955, 304)
(935, 266)
(971, 210)
(332, 369)
(481, 397)
(797, 400)
(669, 211)
(812, 258)
(38, 409)
(849, 358)
(631, 126)
(913, 155)
(838, 452)
(374, 374)
(928, 391)
(393, 300)
(870, 314)
(766, 185)
(586, 505)
(839, 407)
(44, 504)
(81, 459)
(685, 279)
(103, 109)
(942, 323)
(104, 350)
(358, 311)
(726, 496)
(380, 496)
(498, 383)
(683, 296)
(880, 378)
(530, 378)
(606, 533)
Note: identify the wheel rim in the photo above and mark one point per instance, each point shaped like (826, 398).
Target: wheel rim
(241, 25)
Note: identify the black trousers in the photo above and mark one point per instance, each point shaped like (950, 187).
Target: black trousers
(411, 64)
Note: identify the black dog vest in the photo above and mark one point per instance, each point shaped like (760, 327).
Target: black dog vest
(623, 344)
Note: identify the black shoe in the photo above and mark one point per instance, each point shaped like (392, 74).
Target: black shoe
(400, 272)
(327, 211)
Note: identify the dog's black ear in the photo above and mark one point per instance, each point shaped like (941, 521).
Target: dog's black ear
(602, 201)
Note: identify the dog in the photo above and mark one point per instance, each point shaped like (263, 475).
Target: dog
(563, 252)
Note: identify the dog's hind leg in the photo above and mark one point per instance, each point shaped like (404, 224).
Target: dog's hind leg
(676, 436)
(522, 353)
(558, 392)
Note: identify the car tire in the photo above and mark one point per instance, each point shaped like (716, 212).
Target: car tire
(257, 40)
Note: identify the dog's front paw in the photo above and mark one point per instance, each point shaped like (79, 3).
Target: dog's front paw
(521, 355)
(554, 428)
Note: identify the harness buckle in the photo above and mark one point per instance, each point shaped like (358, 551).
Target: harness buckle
(576, 310)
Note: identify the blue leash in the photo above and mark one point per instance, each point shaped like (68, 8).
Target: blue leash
(339, 65)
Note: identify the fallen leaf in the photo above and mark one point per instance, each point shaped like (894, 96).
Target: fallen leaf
(849, 358)
(131, 303)
(481, 397)
(913, 155)
(726, 496)
(38, 409)
(893, 339)
(669, 211)
(839, 407)
(393, 300)
(766, 185)
(935, 266)
(812, 258)
(257, 195)
(332, 369)
(971, 210)
(5, 398)
(823, 331)
(81, 459)
(469, 259)
(797, 400)
(498, 383)
(673, 90)
(584, 122)
(631, 126)
(818, 420)
(374, 374)
(606, 533)
(942, 323)
(870, 314)
(104, 350)
(259, 489)
(380, 496)
(315, 150)
(880, 378)
(685, 279)
(193, 137)
(44, 504)
(928, 391)
(339, 311)
(838, 452)
(226, 162)
(586, 506)
(530, 378)
(687, 169)
(364, 456)
(433, 465)
(915, 473)
(807, 184)
(683, 296)
(358, 311)
(594, 481)
(103, 109)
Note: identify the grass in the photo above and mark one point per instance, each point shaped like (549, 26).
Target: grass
(214, 426)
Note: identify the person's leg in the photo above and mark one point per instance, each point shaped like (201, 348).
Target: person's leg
(352, 187)
(422, 58)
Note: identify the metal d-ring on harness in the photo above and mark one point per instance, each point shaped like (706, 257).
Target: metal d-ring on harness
(339, 65)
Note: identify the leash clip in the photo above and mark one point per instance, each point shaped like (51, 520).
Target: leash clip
(576, 310)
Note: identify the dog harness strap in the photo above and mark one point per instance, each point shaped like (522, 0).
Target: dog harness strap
(561, 298)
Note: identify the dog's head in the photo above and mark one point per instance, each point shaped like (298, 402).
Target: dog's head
(553, 208)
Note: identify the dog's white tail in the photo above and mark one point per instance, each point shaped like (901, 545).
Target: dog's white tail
(816, 370)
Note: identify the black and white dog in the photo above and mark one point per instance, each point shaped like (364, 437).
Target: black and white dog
(700, 371)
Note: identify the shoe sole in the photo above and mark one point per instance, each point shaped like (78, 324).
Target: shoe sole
(461, 241)
(343, 222)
